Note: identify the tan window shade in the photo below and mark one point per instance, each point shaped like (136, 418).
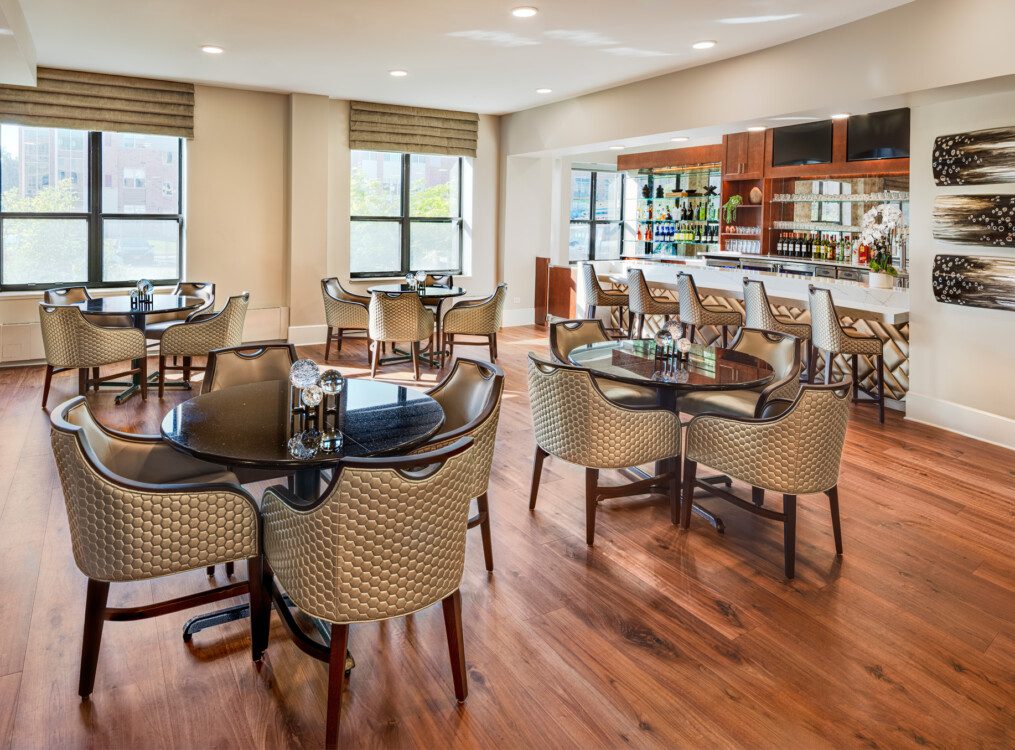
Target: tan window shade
(96, 101)
(416, 130)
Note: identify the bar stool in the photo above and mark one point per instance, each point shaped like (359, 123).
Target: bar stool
(694, 313)
(758, 314)
(642, 302)
(596, 296)
(828, 335)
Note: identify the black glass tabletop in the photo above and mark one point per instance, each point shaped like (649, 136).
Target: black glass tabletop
(432, 292)
(250, 425)
(119, 304)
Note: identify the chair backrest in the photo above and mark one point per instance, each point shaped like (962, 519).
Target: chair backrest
(66, 295)
(691, 309)
(826, 330)
(592, 290)
(399, 317)
(781, 351)
(757, 310)
(638, 291)
(71, 340)
(203, 289)
(332, 287)
(445, 280)
(239, 365)
(568, 335)
(387, 538)
(222, 330)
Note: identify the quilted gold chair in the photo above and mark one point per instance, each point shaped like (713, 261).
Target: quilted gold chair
(643, 303)
(694, 314)
(758, 314)
(470, 396)
(72, 295)
(156, 325)
(196, 339)
(482, 317)
(344, 311)
(573, 420)
(398, 317)
(386, 540)
(568, 335)
(73, 343)
(239, 365)
(795, 453)
(596, 297)
(138, 510)
(828, 335)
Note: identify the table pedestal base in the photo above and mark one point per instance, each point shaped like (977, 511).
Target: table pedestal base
(637, 474)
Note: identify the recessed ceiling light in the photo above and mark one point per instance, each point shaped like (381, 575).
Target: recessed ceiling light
(756, 128)
(704, 44)
(4, 31)
(398, 73)
(212, 49)
(758, 19)
(544, 91)
(840, 116)
(617, 148)
(524, 11)
(680, 139)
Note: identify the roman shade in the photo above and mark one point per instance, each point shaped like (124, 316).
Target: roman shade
(96, 101)
(416, 130)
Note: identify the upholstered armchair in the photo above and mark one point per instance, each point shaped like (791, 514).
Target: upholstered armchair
(694, 314)
(573, 420)
(386, 540)
(596, 297)
(239, 365)
(344, 311)
(482, 317)
(829, 335)
(73, 343)
(568, 335)
(138, 510)
(398, 317)
(795, 453)
(196, 339)
(156, 325)
(470, 396)
(643, 303)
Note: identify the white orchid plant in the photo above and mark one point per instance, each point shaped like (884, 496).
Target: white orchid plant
(877, 228)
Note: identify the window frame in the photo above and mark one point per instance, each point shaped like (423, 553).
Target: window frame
(404, 221)
(592, 223)
(95, 217)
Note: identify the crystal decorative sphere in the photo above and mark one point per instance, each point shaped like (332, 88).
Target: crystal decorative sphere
(304, 373)
(420, 277)
(332, 382)
(410, 278)
(663, 338)
(332, 441)
(144, 286)
(673, 326)
(311, 396)
(304, 445)
(684, 345)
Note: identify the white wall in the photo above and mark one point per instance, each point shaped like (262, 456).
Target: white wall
(961, 358)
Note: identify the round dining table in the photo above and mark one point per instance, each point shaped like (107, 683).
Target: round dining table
(429, 295)
(706, 368)
(119, 306)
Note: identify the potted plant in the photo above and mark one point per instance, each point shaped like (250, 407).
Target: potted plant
(877, 231)
(730, 208)
(882, 272)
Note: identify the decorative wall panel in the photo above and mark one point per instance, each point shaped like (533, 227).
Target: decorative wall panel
(977, 158)
(974, 281)
(975, 219)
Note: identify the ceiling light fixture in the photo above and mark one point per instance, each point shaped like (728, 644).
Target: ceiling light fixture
(680, 139)
(617, 148)
(4, 31)
(524, 11)
(212, 49)
(544, 91)
(398, 73)
(704, 44)
(756, 128)
(840, 116)
(758, 19)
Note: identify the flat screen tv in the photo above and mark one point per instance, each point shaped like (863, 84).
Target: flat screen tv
(806, 143)
(878, 135)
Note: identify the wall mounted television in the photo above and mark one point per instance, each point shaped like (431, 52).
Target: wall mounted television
(807, 143)
(878, 135)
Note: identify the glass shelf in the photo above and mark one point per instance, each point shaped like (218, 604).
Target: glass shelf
(678, 197)
(676, 221)
(669, 242)
(812, 226)
(865, 198)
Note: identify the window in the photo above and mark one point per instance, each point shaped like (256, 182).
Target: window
(596, 228)
(406, 214)
(74, 208)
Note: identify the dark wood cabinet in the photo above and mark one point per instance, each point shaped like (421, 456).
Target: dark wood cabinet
(743, 156)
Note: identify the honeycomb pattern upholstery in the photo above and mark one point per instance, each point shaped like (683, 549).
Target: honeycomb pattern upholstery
(383, 542)
(145, 514)
(758, 312)
(693, 311)
(399, 317)
(223, 329)
(342, 308)
(593, 291)
(573, 420)
(642, 301)
(795, 453)
(828, 334)
(477, 318)
(72, 341)
(239, 365)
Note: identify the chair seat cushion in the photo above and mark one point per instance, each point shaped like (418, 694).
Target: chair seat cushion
(800, 330)
(740, 403)
(214, 478)
(625, 394)
(855, 342)
(155, 330)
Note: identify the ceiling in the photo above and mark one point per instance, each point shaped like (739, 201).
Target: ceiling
(460, 54)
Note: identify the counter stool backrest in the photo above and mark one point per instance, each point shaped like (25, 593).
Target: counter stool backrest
(826, 330)
(757, 310)
(691, 309)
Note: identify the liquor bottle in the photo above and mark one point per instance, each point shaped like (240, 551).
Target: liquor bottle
(639, 233)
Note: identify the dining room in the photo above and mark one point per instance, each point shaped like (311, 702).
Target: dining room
(520, 381)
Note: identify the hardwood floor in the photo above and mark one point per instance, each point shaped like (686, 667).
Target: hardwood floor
(654, 637)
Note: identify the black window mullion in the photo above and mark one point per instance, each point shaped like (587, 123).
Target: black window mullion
(405, 213)
(94, 207)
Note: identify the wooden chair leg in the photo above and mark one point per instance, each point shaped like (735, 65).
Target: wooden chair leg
(95, 379)
(537, 471)
(591, 492)
(260, 607)
(812, 356)
(881, 387)
(452, 605)
(327, 345)
(855, 371)
(483, 505)
(789, 533)
(415, 360)
(495, 352)
(162, 376)
(687, 500)
(186, 369)
(95, 605)
(641, 324)
(758, 496)
(336, 681)
(675, 490)
(450, 341)
(833, 505)
(338, 340)
(143, 376)
(46, 384)
(725, 336)
(82, 381)
(828, 366)
(590, 311)
(230, 568)
(210, 570)
(694, 329)
(375, 359)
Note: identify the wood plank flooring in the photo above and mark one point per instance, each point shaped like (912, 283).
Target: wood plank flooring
(652, 638)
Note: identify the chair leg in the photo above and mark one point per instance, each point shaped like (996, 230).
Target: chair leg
(855, 371)
(450, 340)
(641, 324)
(483, 505)
(186, 369)
(375, 359)
(143, 367)
(95, 604)
(210, 570)
(690, 471)
(496, 350)
(591, 492)
(881, 387)
(812, 355)
(162, 376)
(338, 340)
(758, 496)
(370, 349)
(327, 345)
(828, 366)
(452, 605)
(725, 336)
(833, 505)
(46, 384)
(82, 381)
(230, 569)
(537, 471)
(95, 379)
(415, 360)
(590, 311)
(260, 607)
(694, 330)
(675, 490)
(789, 533)
(336, 681)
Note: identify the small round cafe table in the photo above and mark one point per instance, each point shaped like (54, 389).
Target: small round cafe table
(429, 295)
(708, 368)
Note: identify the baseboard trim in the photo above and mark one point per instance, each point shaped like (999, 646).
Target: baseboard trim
(307, 335)
(964, 420)
(523, 316)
